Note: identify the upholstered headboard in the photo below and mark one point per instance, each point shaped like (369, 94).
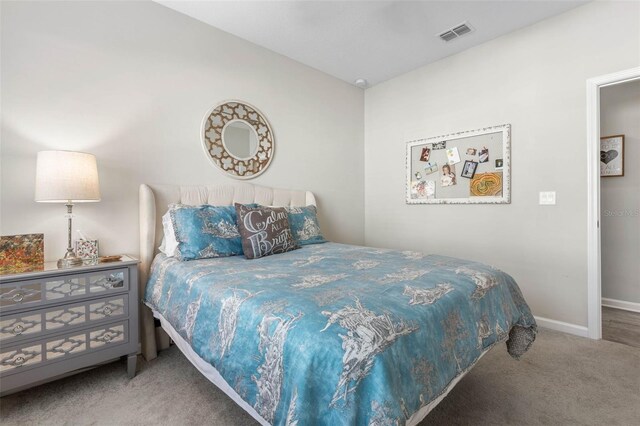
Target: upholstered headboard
(154, 200)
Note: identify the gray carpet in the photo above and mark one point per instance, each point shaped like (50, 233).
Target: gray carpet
(563, 380)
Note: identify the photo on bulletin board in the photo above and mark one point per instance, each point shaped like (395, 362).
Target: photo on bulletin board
(483, 155)
(426, 151)
(612, 156)
(430, 168)
(453, 156)
(448, 176)
(471, 167)
(423, 189)
(486, 185)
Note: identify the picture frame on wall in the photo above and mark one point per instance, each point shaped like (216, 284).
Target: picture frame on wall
(472, 181)
(612, 156)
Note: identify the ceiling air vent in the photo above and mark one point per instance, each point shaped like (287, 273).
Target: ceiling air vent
(455, 32)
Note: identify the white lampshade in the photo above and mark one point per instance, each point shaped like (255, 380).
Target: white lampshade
(63, 176)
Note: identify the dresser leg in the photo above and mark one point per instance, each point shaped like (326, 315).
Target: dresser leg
(132, 360)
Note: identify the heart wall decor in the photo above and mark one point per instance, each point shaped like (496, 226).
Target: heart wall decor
(607, 156)
(612, 156)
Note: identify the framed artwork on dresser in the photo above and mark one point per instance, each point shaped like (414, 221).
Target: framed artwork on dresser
(21, 253)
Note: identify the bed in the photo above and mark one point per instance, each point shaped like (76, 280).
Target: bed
(329, 333)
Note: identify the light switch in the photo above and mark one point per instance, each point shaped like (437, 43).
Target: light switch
(547, 198)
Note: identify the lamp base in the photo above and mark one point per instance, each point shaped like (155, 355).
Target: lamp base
(69, 260)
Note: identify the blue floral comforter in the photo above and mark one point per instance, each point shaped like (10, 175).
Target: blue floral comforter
(334, 334)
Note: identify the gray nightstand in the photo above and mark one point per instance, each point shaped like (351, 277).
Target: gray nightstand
(58, 321)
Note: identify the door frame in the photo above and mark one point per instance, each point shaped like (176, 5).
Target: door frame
(594, 284)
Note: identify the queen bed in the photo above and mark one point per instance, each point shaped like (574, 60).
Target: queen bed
(330, 333)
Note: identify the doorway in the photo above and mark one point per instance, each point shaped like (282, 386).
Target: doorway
(620, 211)
(594, 237)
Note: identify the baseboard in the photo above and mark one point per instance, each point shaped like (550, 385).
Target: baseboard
(621, 304)
(564, 327)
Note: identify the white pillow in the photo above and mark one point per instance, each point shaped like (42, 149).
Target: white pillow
(169, 242)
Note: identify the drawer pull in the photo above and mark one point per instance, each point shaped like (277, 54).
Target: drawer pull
(18, 297)
(106, 338)
(19, 361)
(107, 311)
(18, 329)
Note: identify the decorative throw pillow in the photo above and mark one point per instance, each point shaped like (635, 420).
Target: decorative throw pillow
(205, 231)
(304, 225)
(264, 230)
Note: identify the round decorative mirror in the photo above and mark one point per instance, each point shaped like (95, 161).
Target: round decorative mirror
(238, 139)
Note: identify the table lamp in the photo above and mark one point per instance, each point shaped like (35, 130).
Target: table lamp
(67, 177)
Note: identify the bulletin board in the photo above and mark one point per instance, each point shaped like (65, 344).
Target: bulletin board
(471, 167)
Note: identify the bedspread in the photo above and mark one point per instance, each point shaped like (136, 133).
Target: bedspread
(335, 334)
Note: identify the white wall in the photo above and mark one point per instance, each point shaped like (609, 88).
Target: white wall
(534, 79)
(130, 83)
(620, 196)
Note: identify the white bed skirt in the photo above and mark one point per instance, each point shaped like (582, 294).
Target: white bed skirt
(214, 377)
(207, 369)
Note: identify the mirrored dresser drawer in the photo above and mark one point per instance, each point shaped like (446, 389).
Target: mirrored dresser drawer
(57, 322)
(53, 290)
(16, 327)
(16, 359)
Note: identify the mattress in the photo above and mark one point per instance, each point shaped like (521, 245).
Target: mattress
(336, 334)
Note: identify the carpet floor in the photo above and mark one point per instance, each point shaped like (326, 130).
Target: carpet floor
(562, 380)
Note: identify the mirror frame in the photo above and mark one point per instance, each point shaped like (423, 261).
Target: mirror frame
(505, 198)
(213, 124)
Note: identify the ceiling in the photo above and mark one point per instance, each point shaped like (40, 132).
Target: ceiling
(374, 40)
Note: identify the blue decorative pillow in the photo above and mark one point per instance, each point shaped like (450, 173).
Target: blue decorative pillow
(205, 231)
(304, 225)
